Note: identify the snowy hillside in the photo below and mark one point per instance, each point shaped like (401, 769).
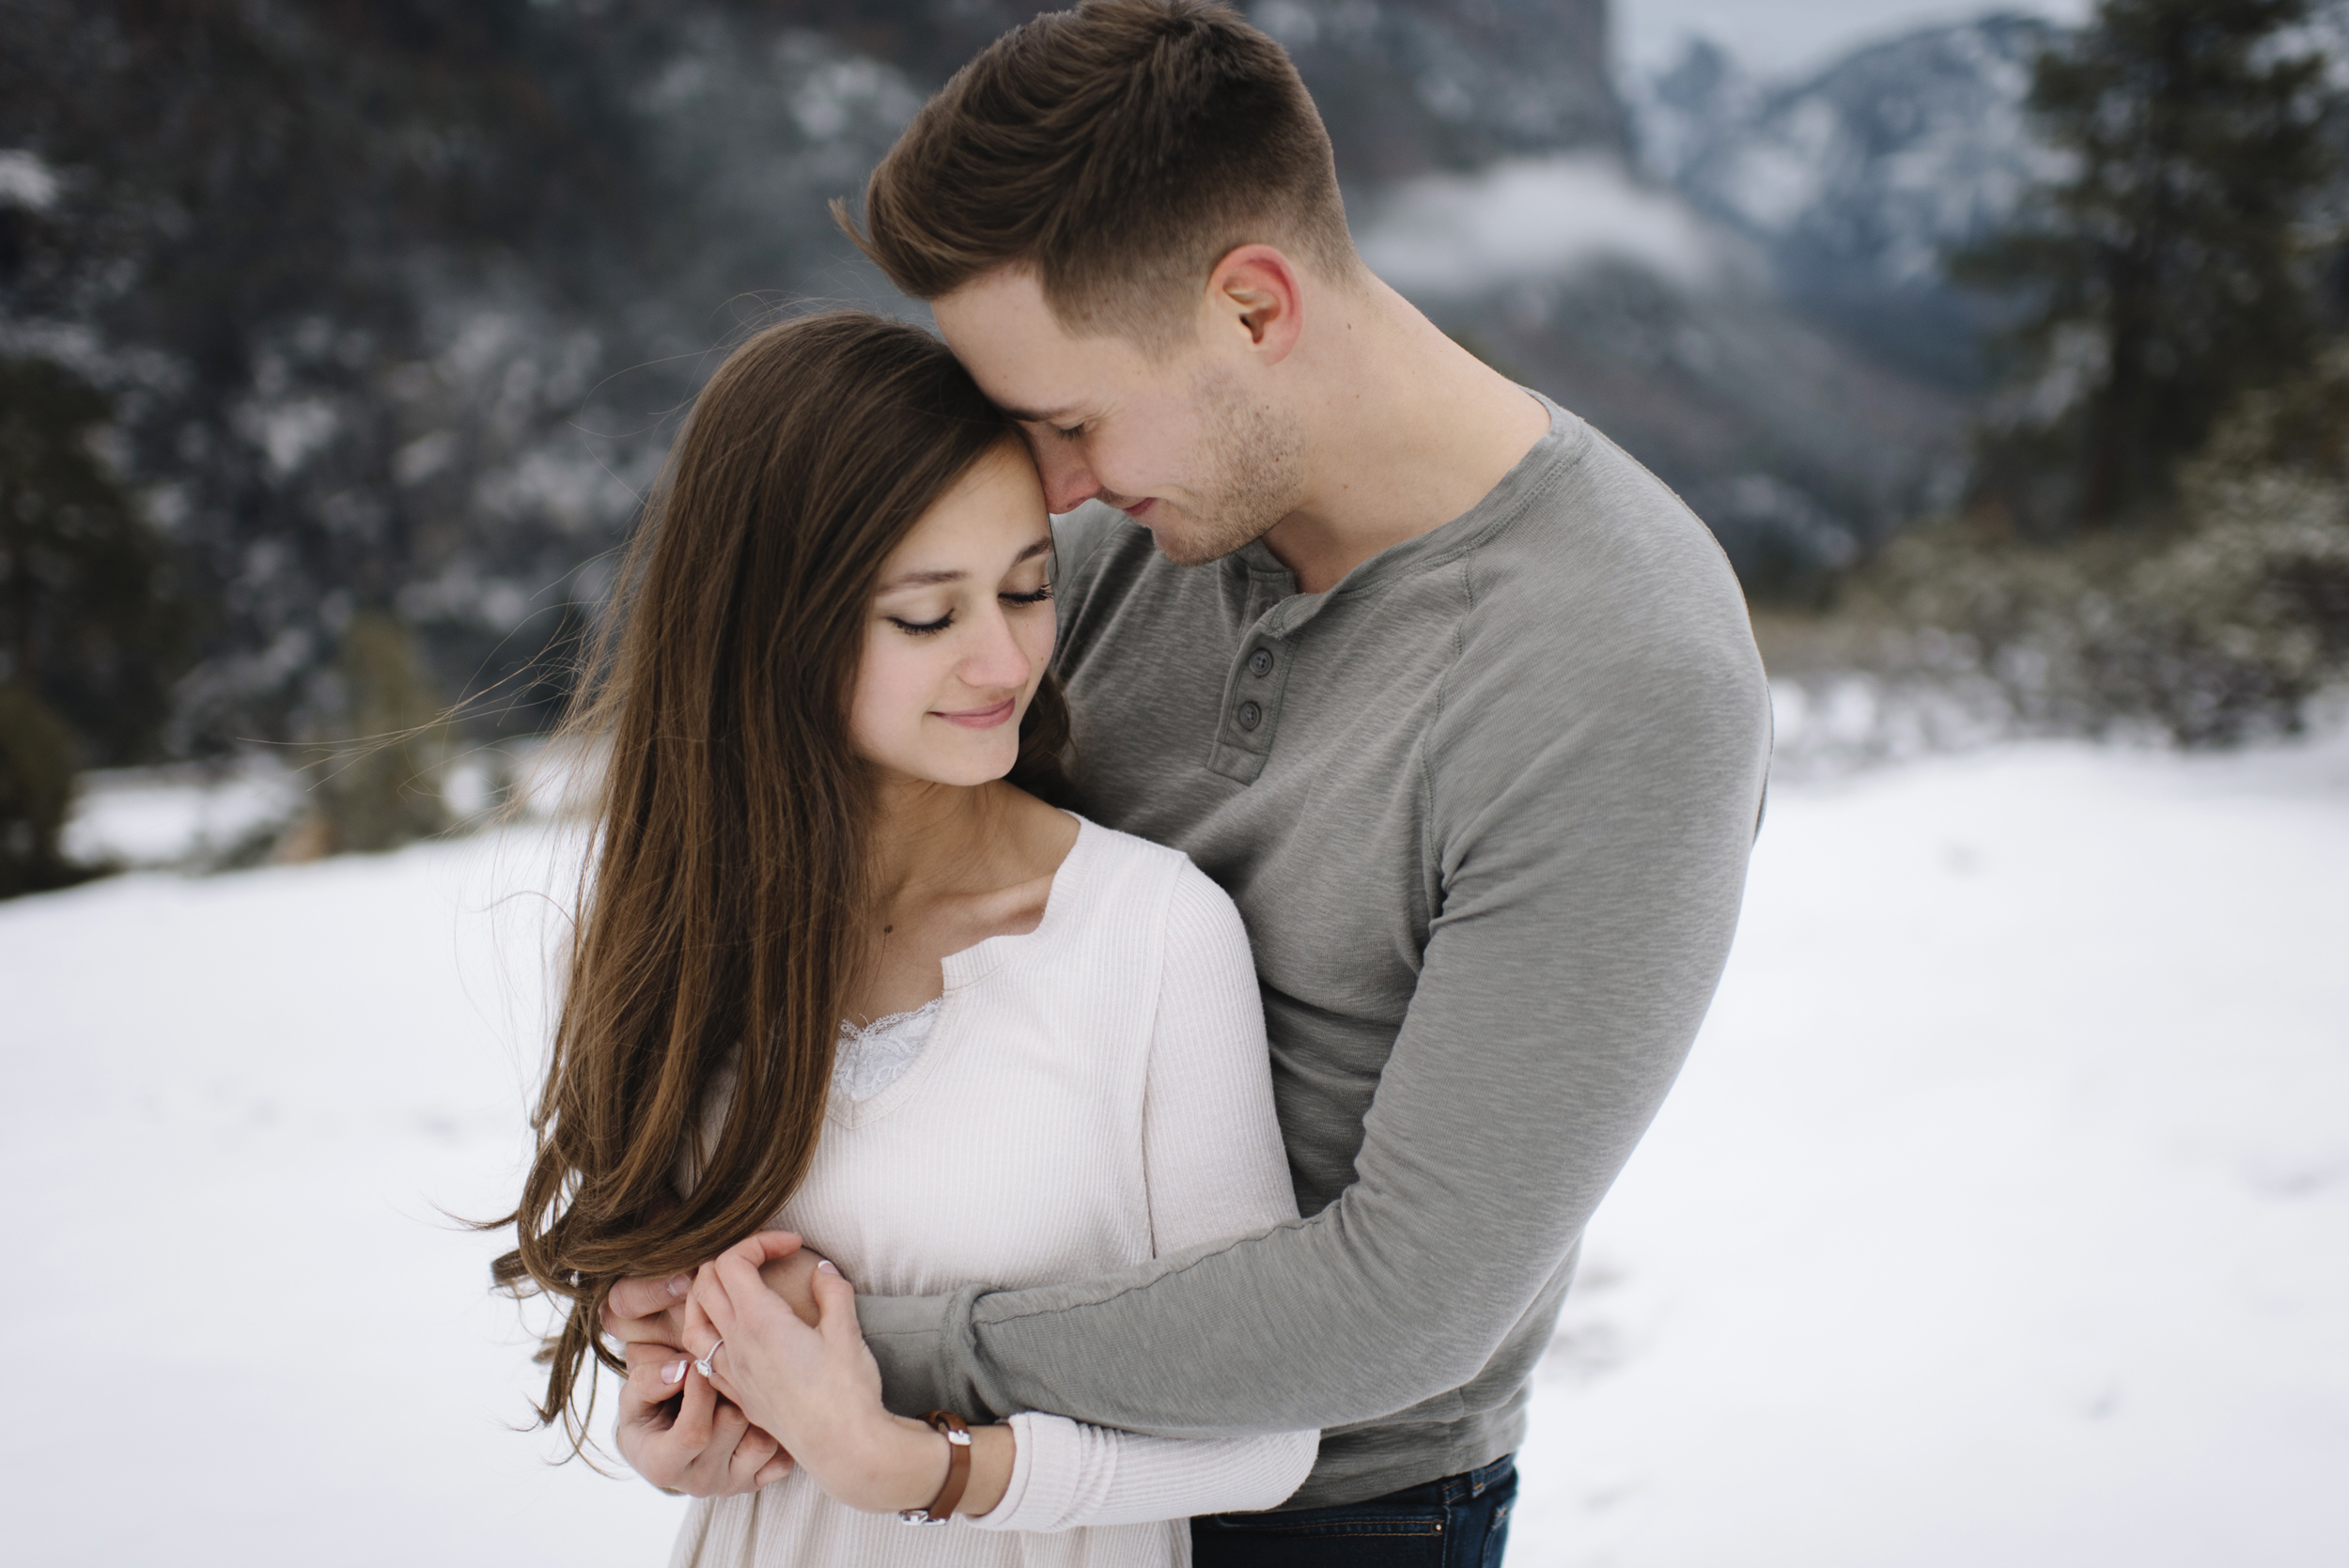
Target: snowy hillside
(1878, 161)
(1857, 178)
(2003, 1215)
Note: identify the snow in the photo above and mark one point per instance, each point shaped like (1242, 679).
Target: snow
(1880, 161)
(2000, 1215)
(26, 181)
(158, 816)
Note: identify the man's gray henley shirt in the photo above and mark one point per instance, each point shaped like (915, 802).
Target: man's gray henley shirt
(1485, 806)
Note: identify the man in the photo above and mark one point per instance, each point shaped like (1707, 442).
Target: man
(1457, 701)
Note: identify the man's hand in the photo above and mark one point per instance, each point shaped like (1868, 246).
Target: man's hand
(652, 1312)
(790, 1273)
(676, 1432)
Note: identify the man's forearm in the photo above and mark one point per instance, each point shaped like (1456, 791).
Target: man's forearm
(1542, 1039)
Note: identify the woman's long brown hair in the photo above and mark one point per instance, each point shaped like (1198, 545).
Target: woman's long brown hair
(722, 916)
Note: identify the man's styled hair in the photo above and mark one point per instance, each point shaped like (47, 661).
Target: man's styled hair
(1121, 149)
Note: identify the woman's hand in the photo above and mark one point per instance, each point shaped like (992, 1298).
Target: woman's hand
(815, 1389)
(674, 1429)
(676, 1432)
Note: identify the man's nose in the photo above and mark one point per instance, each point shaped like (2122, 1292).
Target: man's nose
(1068, 484)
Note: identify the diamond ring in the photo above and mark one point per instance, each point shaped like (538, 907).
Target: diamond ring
(701, 1364)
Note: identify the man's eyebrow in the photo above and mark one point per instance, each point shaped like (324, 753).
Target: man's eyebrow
(937, 575)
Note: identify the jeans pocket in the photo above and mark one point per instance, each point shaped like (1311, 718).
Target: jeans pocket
(1366, 1535)
(1500, 1502)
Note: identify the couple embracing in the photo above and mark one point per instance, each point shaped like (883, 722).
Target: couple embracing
(1105, 1038)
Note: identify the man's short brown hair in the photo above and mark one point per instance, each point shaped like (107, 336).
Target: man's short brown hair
(1121, 149)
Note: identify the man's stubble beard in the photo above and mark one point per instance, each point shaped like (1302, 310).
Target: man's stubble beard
(1253, 464)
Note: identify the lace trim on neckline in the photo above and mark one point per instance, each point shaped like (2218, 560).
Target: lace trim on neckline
(870, 1058)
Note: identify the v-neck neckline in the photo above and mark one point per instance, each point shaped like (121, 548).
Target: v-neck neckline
(964, 972)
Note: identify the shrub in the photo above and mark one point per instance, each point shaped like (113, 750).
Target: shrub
(378, 783)
(2221, 624)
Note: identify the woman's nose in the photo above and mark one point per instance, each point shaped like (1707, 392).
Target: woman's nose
(995, 658)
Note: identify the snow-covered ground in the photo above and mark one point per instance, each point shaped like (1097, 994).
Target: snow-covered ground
(151, 817)
(2003, 1215)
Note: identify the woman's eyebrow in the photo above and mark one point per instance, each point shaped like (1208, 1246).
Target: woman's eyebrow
(933, 576)
(922, 578)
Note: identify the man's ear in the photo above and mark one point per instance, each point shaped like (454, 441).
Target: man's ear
(1255, 289)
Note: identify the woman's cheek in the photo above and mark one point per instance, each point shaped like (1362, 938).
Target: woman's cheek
(885, 713)
(1037, 640)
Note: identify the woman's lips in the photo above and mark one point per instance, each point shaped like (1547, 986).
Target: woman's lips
(981, 718)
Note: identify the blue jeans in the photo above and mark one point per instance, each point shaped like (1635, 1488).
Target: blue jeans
(1461, 1521)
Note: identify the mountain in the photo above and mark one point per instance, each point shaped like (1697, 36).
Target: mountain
(1411, 87)
(396, 305)
(1662, 327)
(1855, 180)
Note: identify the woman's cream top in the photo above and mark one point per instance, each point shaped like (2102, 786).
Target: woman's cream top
(1087, 1095)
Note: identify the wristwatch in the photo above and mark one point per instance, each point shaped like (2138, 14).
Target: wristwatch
(942, 1508)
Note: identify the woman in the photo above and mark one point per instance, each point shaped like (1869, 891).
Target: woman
(834, 970)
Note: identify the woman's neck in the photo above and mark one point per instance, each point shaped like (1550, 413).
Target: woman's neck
(932, 839)
(953, 866)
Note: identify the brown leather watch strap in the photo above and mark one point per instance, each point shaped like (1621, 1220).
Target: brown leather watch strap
(958, 1435)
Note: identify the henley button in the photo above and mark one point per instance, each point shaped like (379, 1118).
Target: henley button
(1260, 662)
(1250, 716)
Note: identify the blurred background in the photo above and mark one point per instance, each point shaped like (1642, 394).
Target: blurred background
(337, 341)
(2005, 1204)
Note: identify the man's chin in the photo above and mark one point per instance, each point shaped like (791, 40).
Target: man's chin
(1181, 550)
(1186, 542)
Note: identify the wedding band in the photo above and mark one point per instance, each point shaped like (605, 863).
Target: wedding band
(700, 1363)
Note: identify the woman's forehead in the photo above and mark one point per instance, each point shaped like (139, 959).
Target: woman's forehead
(992, 520)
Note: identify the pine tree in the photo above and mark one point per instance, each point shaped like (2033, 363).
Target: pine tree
(2163, 271)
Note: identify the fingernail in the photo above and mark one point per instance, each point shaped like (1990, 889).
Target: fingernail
(680, 1284)
(672, 1373)
(826, 1267)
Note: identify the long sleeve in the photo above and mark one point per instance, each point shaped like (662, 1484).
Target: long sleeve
(1213, 1153)
(1589, 841)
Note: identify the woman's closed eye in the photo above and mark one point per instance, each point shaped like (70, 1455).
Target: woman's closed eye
(926, 629)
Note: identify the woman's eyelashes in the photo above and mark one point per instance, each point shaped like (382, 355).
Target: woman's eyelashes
(928, 628)
(924, 628)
